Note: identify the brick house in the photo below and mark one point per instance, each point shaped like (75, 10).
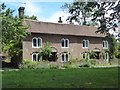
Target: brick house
(68, 41)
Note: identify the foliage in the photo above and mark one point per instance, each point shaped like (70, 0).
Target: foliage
(30, 17)
(106, 22)
(71, 64)
(13, 32)
(53, 66)
(88, 63)
(29, 64)
(79, 11)
(92, 55)
(112, 43)
(84, 63)
(46, 51)
(117, 51)
(82, 10)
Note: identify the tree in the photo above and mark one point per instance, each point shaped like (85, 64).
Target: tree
(46, 51)
(117, 50)
(97, 11)
(107, 22)
(13, 32)
(31, 17)
(80, 11)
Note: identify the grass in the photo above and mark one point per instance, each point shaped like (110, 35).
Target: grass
(61, 78)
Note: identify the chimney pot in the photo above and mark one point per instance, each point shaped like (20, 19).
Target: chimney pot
(60, 21)
(21, 12)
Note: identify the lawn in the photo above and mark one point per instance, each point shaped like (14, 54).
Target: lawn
(61, 78)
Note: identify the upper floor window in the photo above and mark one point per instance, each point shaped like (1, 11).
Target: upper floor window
(85, 43)
(105, 44)
(65, 57)
(65, 43)
(36, 57)
(36, 42)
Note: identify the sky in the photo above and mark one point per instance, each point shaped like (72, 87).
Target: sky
(45, 10)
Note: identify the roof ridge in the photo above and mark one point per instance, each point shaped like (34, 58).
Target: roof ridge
(57, 23)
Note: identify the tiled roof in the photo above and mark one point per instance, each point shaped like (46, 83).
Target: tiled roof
(62, 29)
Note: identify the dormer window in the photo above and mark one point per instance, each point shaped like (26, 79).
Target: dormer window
(36, 42)
(65, 43)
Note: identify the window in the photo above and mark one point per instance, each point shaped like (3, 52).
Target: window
(86, 55)
(106, 57)
(37, 42)
(65, 43)
(85, 43)
(34, 42)
(65, 57)
(36, 57)
(105, 44)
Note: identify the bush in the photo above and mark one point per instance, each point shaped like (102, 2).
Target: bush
(53, 66)
(42, 64)
(85, 64)
(71, 65)
(93, 61)
(29, 64)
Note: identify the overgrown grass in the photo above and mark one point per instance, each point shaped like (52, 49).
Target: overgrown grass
(61, 78)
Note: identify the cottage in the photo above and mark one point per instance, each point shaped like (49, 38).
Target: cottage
(67, 41)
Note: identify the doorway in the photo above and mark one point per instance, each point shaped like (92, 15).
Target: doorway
(53, 57)
(97, 55)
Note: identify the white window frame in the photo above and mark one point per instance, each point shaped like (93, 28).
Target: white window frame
(106, 57)
(86, 42)
(64, 57)
(105, 44)
(85, 55)
(36, 57)
(64, 40)
(40, 42)
(37, 42)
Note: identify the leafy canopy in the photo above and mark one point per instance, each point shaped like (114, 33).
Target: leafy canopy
(13, 31)
(94, 13)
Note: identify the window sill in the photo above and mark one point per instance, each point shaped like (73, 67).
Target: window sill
(85, 47)
(36, 47)
(105, 48)
(64, 47)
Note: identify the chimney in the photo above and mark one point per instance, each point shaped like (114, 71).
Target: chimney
(60, 21)
(21, 12)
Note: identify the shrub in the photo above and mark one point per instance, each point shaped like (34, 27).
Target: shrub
(29, 64)
(93, 61)
(85, 64)
(53, 66)
(71, 65)
(42, 64)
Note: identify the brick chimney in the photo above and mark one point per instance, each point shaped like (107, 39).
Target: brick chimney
(21, 12)
(60, 21)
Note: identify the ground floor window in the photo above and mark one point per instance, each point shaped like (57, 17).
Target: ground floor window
(36, 57)
(106, 57)
(85, 55)
(65, 57)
